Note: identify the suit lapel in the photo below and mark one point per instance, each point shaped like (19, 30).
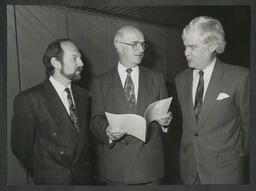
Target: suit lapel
(57, 111)
(118, 92)
(143, 91)
(211, 92)
(81, 107)
(187, 96)
(79, 104)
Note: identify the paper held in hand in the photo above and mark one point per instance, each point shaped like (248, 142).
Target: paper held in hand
(136, 125)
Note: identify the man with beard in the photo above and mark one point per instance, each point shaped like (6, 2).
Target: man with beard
(129, 88)
(214, 100)
(50, 127)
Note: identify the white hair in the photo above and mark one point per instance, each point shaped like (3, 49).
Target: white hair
(211, 31)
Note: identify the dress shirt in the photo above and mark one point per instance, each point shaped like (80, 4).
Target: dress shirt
(135, 78)
(134, 75)
(207, 76)
(60, 89)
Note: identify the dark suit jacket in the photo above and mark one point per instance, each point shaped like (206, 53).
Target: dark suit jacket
(216, 146)
(130, 160)
(44, 139)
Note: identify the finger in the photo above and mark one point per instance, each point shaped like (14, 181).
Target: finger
(164, 122)
(117, 132)
(115, 138)
(120, 135)
(165, 117)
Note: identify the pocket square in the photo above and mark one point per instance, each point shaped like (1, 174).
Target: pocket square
(222, 96)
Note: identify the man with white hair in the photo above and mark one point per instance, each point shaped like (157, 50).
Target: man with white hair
(214, 100)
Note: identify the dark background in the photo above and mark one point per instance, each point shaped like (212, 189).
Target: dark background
(31, 28)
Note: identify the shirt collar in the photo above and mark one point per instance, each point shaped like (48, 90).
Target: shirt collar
(57, 85)
(122, 69)
(208, 69)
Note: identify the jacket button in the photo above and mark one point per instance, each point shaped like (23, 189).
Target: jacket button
(61, 152)
(196, 134)
(54, 134)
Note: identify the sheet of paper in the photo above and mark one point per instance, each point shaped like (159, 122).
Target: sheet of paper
(157, 109)
(134, 125)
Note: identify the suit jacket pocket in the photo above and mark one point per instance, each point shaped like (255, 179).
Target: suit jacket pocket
(231, 155)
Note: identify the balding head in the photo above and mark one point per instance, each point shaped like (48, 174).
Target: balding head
(125, 32)
(130, 46)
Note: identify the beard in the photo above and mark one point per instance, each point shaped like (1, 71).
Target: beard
(75, 76)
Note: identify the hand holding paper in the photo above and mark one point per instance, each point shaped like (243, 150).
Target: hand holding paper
(114, 134)
(158, 110)
(136, 125)
(132, 124)
(165, 120)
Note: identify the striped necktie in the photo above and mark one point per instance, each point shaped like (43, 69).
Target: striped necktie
(129, 89)
(72, 110)
(199, 94)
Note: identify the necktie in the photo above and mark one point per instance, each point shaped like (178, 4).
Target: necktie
(199, 94)
(72, 110)
(129, 89)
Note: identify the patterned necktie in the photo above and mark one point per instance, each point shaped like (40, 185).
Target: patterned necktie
(72, 110)
(129, 89)
(199, 94)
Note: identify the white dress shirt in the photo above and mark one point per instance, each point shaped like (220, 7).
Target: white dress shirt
(135, 78)
(60, 89)
(134, 75)
(207, 76)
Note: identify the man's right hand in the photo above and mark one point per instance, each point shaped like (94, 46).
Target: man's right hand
(114, 134)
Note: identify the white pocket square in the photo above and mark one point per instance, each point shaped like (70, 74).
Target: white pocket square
(222, 96)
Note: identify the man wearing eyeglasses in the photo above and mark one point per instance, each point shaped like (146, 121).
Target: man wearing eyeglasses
(129, 88)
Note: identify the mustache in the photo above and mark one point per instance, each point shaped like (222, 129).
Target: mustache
(79, 69)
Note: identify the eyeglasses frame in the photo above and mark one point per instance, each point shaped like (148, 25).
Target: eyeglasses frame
(143, 44)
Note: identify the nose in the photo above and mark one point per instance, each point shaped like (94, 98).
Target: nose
(141, 48)
(187, 51)
(80, 62)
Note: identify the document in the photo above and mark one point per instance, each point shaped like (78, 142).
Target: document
(136, 125)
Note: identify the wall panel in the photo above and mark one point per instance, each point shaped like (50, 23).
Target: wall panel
(155, 55)
(15, 172)
(174, 51)
(37, 26)
(89, 32)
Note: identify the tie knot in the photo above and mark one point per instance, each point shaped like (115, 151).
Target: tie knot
(129, 70)
(201, 73)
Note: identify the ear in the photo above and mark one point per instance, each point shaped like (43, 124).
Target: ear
(212, 47)
(55, 63)
(118, 47)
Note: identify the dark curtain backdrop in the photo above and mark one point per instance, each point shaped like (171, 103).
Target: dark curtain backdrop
(31, 28)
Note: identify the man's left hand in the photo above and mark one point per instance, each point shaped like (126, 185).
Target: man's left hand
(165, 120)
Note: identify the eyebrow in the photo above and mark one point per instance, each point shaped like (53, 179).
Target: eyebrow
(76, 55)
(191, 45)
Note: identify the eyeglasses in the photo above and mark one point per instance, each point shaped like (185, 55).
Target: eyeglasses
(135, 45)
